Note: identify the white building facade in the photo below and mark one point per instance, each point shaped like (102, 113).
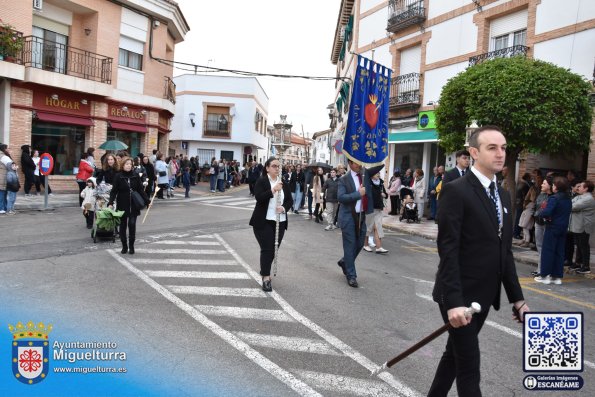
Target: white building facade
(427, 42)
(221, 117)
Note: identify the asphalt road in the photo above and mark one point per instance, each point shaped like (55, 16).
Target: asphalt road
(188, 310)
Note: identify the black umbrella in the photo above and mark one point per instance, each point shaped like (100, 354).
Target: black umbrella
(317, 164)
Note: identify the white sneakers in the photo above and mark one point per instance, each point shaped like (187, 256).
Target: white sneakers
(548, 280)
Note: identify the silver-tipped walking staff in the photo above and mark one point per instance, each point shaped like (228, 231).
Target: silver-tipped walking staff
(475, 308)
(277, 220)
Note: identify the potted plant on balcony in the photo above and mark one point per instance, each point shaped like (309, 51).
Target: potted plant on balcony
(11, 42)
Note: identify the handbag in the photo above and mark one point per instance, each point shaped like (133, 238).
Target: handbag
(162, 173)
(137, 201)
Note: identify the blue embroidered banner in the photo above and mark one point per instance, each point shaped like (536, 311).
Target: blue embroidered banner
(366, 136)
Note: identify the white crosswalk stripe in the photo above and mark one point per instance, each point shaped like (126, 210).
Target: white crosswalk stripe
(242, 324)
(191, 262)
(343, 384)
(191, 274)
(245, 312)
(219, 200)
(179, 251)
(303, 345)
(219, 291)
(182, 242)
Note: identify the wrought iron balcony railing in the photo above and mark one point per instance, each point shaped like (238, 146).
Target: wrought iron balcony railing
(501, 53)
(404, 13)
(11, 45)
(216, 129)
(169, 92)
(404, 91)
(61, 58)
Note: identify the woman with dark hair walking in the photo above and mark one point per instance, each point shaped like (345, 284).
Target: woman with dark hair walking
(317, 183)
(126, 182)
(273, 199)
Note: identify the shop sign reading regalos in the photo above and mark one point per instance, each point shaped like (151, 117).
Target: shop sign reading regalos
(126, 113)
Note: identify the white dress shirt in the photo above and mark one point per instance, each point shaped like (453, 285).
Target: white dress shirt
(358, 204)
(272, 210)
(485, 182)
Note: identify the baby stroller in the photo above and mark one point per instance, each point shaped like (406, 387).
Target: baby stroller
(102, 193)
(409, 211)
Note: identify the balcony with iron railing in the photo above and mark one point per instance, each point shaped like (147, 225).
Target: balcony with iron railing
(404, 91)
(216, 129)
(405, 13)
(61, 58)
(516, 50)
(169, 92)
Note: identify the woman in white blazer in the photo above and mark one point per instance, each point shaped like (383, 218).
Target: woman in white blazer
(419, 191)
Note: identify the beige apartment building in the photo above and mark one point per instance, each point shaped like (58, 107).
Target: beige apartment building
(87, 71)
(427, 42)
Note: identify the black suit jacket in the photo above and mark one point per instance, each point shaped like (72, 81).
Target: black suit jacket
(451, 175)
(474, 261)
(263, 193)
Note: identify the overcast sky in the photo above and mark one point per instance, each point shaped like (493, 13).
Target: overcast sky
(270, 36)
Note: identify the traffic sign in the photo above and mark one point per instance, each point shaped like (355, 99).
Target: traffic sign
(46, 164)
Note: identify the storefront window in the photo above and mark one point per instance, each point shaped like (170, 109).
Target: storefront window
(408, 155)
(132, 139)
(65, 143)
(437, 157)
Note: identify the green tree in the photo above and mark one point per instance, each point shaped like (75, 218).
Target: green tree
(542, 108)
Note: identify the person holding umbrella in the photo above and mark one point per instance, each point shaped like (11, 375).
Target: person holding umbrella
(125, 184)
(273, 198)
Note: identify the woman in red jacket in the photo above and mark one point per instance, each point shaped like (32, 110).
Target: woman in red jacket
(85, 172)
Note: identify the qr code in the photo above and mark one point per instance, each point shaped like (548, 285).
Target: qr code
(553, 342)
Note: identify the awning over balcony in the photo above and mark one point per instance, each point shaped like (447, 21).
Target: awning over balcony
(413, 136)
(64, 119)
(128, 127)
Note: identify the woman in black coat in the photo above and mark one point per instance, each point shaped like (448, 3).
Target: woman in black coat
(270, 192)
(124, 183)
(150, 170)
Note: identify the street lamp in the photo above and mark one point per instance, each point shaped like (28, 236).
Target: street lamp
(192, 116)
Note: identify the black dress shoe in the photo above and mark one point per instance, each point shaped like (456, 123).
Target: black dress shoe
(266, 286)
(352, 282)
(342, 266)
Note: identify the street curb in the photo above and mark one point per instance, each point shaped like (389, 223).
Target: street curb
(518, 256)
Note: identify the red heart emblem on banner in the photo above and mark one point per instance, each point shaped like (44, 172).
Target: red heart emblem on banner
(371, 112)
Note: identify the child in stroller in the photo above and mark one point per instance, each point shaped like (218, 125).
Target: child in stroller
(409, 211)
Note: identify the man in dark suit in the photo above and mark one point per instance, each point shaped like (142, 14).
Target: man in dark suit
(463, 160)
(474, 244)
(355, 195)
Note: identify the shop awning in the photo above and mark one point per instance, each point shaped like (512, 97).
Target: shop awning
(128, 127)
(413, 136)
(64, 119)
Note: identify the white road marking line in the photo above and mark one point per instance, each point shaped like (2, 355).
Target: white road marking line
(218, 200)
(284, 376)
(179, 251)
(418, 280)
(226, 206)
(331, 339)
(183, 242)
(244, 202)
(217, 291)
(412, 242)
(302, 345)
(245, 312)
(193, 274)
(211, 197)
(344, 384)
(208, 262)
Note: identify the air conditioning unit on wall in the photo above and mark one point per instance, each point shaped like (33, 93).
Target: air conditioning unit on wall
(38, 5)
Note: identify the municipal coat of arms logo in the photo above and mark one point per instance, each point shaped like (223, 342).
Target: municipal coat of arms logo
(30, 351)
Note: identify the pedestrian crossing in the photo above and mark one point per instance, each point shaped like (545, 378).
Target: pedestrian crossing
(221, 291)
(242, 203)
